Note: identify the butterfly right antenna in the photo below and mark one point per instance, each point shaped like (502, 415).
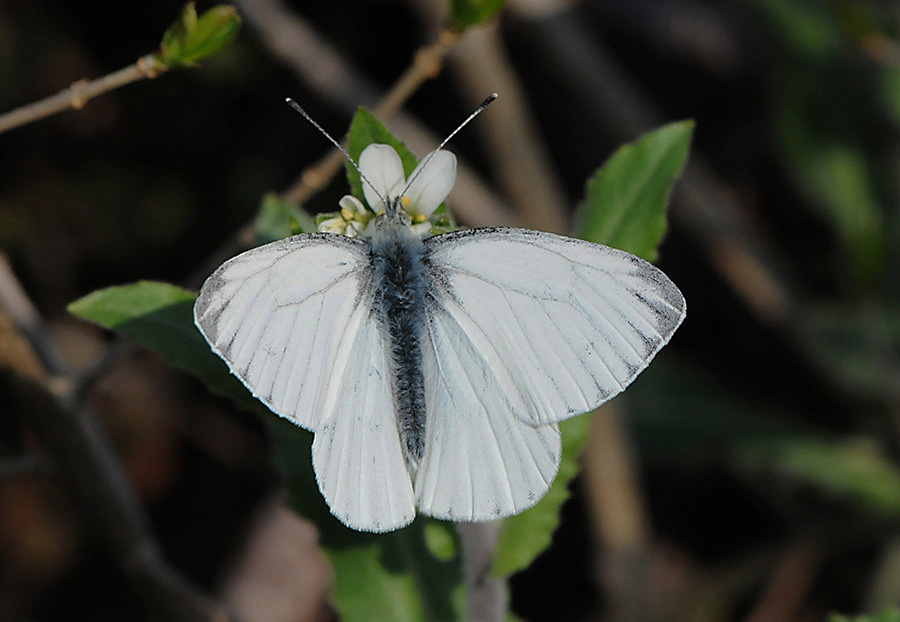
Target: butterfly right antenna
(487, 102)
(290, 102)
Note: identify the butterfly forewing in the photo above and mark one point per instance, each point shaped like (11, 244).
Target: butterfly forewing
(278, 314)
(567, 324)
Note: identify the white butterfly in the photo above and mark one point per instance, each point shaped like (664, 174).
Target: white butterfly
(433, 370)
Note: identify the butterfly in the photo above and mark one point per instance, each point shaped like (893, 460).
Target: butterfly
(433, 369)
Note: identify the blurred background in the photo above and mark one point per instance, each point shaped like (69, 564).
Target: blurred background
(751, 473)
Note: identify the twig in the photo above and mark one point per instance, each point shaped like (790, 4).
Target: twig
(76, 96)
(426, 63)
(485, 595)
(26, 318)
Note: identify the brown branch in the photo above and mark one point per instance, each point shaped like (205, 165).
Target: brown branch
(77, 96)
(782, 599)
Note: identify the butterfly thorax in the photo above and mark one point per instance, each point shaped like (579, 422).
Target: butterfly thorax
(400, 279)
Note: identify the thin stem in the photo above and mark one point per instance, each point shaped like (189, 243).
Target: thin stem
(485, 595)
(77, 96)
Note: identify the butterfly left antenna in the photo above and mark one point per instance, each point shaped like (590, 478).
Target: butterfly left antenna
(290, 102)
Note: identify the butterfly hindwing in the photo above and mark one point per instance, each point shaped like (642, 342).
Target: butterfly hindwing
(359, 464)
(480, 462)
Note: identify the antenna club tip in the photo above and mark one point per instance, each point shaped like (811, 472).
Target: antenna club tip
(487, 101)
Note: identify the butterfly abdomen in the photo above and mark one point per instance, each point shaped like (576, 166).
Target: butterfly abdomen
(400, 283)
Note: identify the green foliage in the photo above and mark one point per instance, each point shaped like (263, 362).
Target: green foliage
(677, 413)
(825, 143)
(856, 344)
(366, 129)
(624, 206)
(192, 38)
(160, 316)
(466, 13)
(888, 615)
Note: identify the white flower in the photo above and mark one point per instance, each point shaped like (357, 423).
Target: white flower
(383, 168)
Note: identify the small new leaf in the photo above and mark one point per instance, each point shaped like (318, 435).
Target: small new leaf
(192, 38)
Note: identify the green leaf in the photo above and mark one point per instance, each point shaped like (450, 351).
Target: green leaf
(525, 536)
(366, 129)
(833, 171)
(277, 219)
(160, 317)
(192, 38)
(625, 203)
(465, 13)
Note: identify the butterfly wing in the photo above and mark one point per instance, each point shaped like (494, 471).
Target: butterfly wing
(563, 324)
(292, 320)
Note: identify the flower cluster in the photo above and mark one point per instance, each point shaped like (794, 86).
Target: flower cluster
(423, 192)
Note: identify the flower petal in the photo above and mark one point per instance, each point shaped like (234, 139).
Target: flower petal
(352, 205)
(429, 189)
(382, 167)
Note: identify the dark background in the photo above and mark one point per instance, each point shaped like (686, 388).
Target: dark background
(764, 437)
